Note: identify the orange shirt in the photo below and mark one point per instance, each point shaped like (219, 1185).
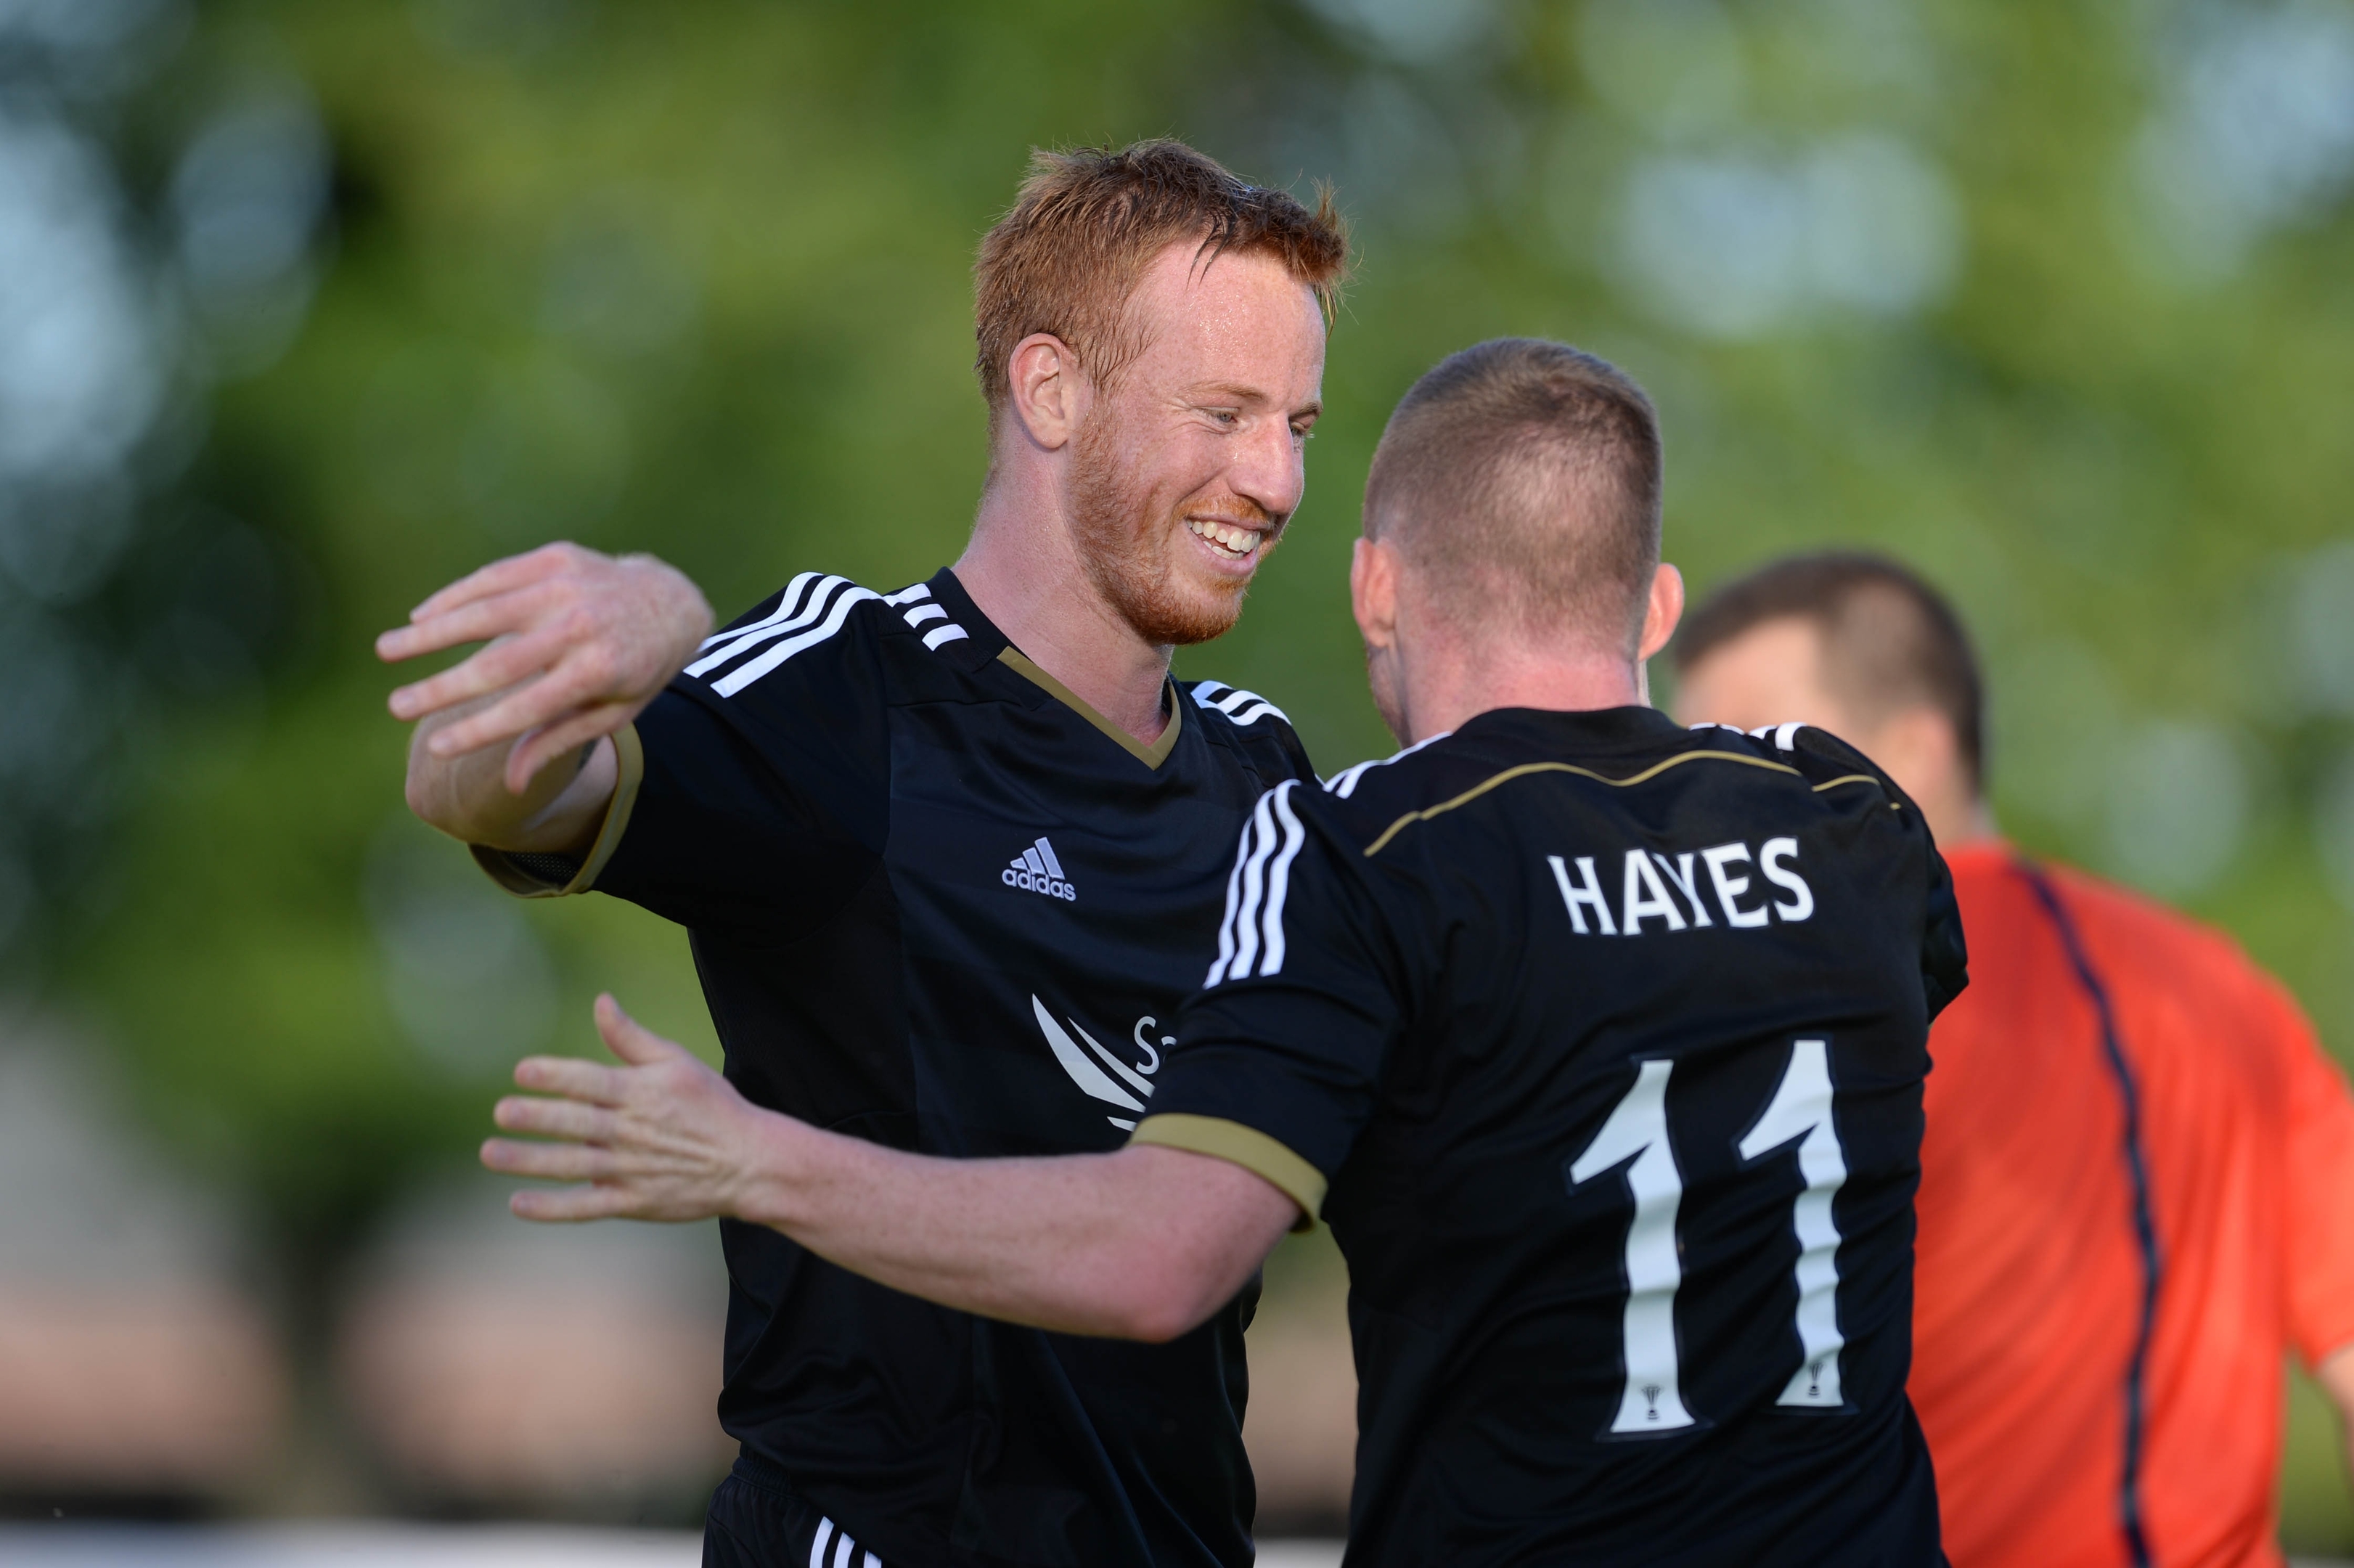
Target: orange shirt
(2137, 1196)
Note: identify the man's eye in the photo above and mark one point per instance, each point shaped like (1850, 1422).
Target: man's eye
(1227, 416)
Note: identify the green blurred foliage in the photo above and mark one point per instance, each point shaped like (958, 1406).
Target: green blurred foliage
(2317, 1509)
(693, 280)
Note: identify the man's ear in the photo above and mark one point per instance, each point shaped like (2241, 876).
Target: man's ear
(1663, 609)
(1050, 392)
(1374, 591)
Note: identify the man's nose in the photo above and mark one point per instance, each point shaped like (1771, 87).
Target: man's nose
(1268, 469)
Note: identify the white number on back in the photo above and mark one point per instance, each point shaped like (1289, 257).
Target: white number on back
(1637, 1128)
(1801, 1109)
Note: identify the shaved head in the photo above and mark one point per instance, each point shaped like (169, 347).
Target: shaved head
(1520, 479)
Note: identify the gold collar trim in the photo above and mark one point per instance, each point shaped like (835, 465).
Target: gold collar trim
(1152, 755)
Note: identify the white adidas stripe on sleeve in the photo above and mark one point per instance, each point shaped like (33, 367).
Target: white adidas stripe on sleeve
(1243, 851)
(735, 639)
(1344, 783)
(1254, 890)
(790, 616)
(1252, 933)
(921, 614)
(1278, 881)
(812, 609)
(744, 674)
(1243, 707)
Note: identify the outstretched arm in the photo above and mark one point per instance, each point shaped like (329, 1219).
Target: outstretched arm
(1142, 1244)
(509, 749)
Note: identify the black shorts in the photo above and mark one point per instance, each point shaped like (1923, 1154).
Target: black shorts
(757, 1521)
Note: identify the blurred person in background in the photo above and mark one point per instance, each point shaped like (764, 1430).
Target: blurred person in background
(947, 856)
(2138, 1181)
(1579, 1132)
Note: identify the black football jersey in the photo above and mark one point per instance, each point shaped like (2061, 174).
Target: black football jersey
(938, 903)
(1609, 1039)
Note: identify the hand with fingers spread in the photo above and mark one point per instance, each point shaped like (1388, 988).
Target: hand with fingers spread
(1142, 1244)
(577, 645)
(661, 1137)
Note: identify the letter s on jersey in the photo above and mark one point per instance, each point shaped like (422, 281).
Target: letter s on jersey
(1647, 898)
(1802, 898)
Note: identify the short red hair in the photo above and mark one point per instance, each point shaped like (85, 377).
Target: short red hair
(1087, 224)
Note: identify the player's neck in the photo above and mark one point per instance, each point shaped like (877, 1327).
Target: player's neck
(1023, 572)
(1444, 692)
(1959, 818)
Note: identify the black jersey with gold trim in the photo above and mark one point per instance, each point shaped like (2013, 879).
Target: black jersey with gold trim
(938, 902)
(1608, 1038)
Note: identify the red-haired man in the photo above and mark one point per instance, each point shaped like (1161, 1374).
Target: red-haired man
(948, 855)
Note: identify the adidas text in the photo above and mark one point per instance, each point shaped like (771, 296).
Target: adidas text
(1037, 870)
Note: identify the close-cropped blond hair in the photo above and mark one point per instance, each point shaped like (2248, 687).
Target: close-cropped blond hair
(1520, 480)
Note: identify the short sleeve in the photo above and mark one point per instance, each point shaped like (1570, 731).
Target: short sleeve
(705, 830)
(1279, 1056)
(2319, 1189)
(721, 836)
(754, 792)
(537, 875)
(1945, 956)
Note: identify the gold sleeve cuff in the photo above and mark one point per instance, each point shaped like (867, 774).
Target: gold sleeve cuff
(1247, 1146)
(630, 759)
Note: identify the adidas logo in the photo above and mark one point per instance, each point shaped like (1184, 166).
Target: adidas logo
(1037, 870)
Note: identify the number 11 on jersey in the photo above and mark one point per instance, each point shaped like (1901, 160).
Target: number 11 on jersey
(1637, 1128)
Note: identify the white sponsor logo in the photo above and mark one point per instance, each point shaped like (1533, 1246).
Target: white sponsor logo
(1037, 870)
(1113, 1088)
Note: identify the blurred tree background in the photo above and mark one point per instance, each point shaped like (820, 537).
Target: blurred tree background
(306, 310)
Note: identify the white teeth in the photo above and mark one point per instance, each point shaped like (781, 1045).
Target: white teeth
(1234, 541)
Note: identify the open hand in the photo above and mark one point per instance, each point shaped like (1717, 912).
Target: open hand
(591, 638)
(662, 1137)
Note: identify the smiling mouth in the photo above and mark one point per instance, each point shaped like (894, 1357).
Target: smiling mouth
(1231, 542)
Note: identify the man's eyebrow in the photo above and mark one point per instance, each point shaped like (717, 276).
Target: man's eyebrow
(1312, 409)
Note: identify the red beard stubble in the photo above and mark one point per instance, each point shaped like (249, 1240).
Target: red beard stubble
(1126, 547)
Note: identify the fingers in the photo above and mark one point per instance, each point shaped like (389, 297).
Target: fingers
(504, 577)
(570, 1205)
(630, 1041)
(508, 660)
(549, 1161)
(472, 622)
(591, 1082)
(535, 703)
(557, 1118)
(566, 735)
